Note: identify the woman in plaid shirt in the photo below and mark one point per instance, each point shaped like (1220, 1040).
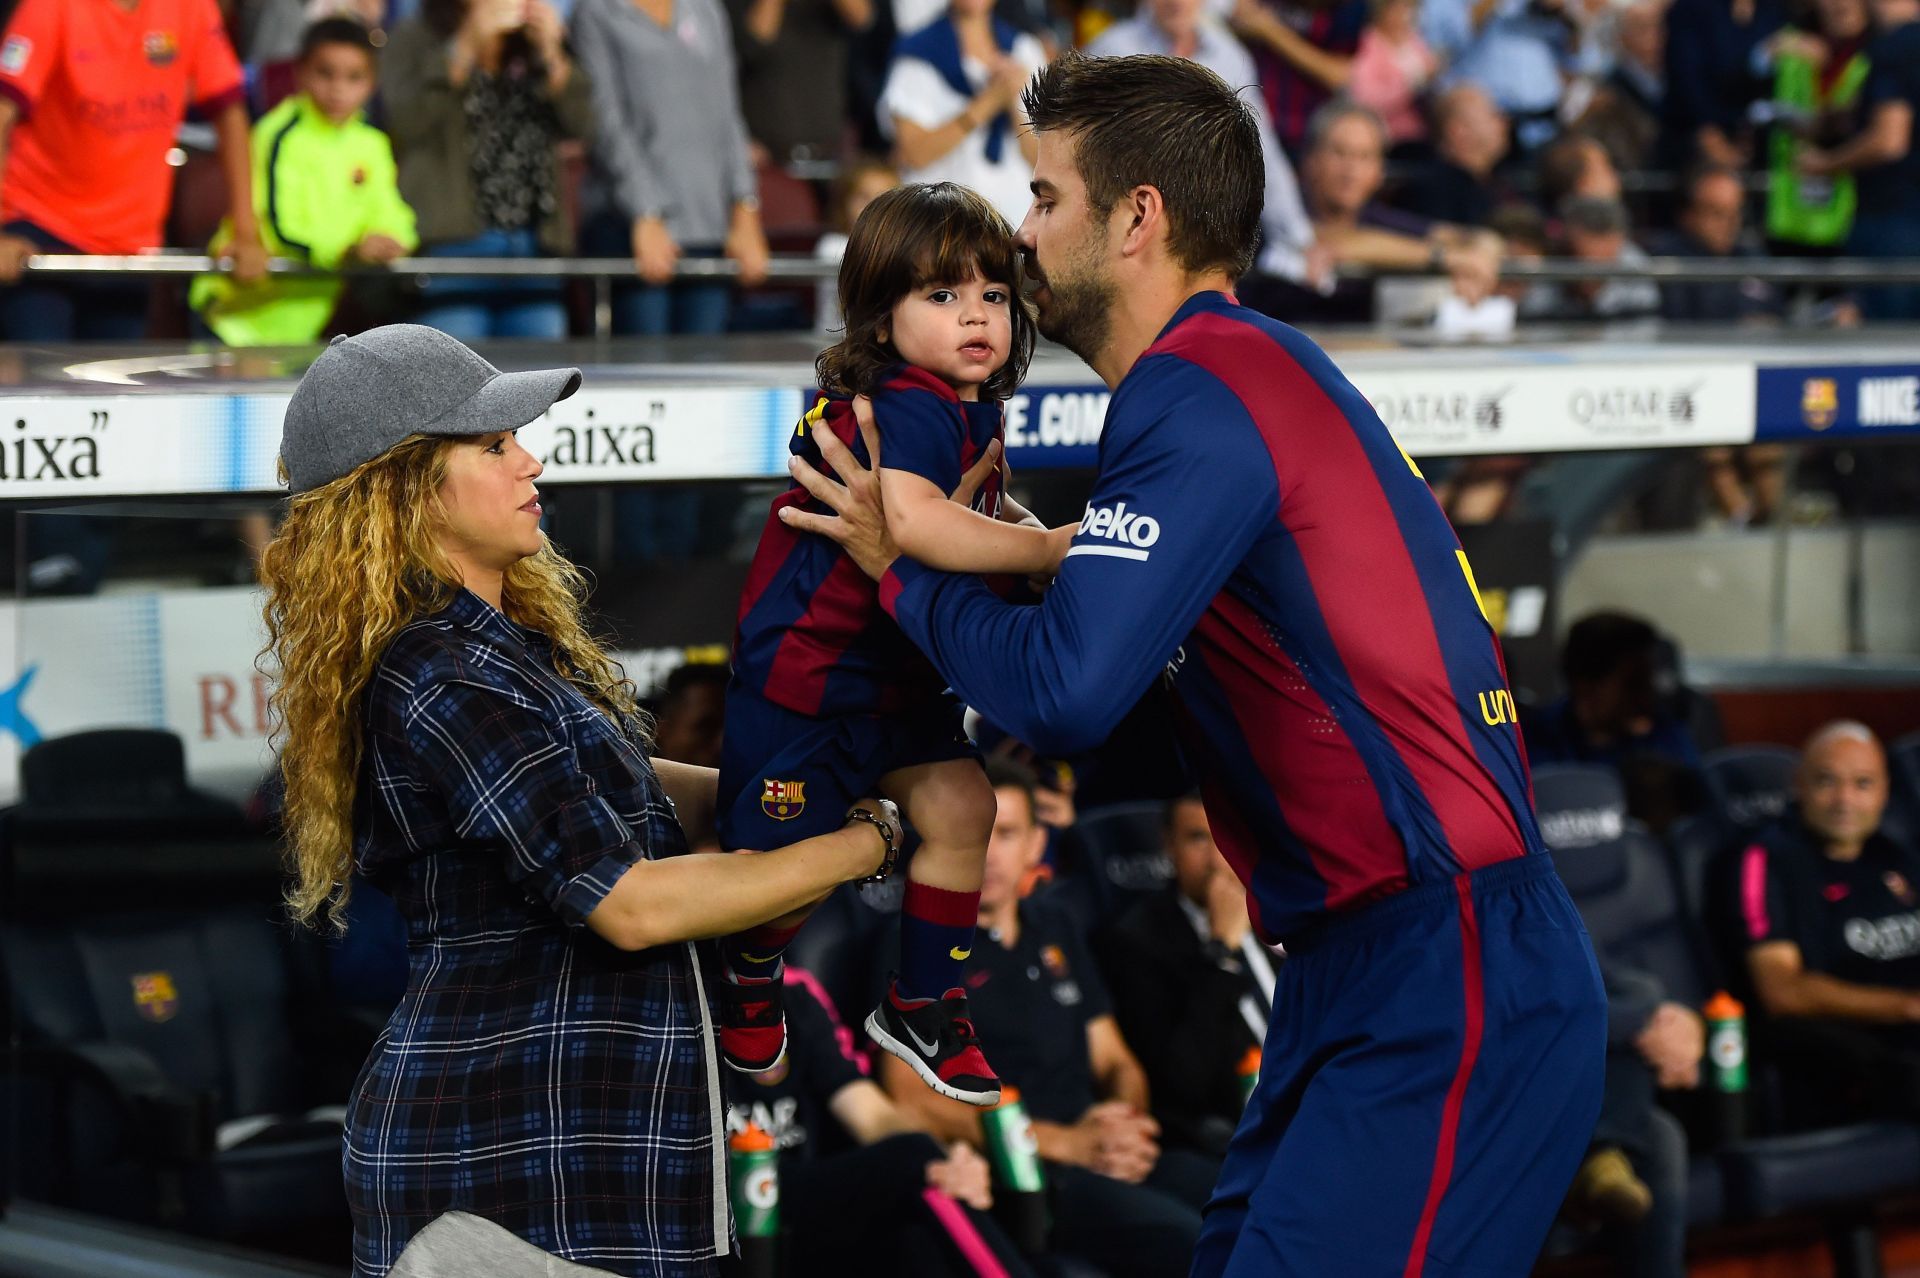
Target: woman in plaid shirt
(448, 728)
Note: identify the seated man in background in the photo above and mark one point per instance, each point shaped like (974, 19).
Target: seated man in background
(1471, 135)
(1712, 223)
(1828, 918)
(1342, 175)
(689, 713)
(1595, 229)
(1119, 1200)
(861, 1184)
(1192, 986)
(1621, 710)
(1633, 1183)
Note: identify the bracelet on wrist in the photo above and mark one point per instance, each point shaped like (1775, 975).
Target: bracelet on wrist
(887, 822)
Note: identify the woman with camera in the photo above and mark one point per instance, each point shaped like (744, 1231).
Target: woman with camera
(480, 95)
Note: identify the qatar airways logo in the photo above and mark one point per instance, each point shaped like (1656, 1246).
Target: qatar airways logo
(1120, 533)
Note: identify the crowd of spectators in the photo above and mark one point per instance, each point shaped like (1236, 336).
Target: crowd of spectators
(1413, 135)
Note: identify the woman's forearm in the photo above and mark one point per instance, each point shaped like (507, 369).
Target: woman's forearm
(705, 894)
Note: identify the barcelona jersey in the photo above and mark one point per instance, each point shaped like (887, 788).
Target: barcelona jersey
(811, 636)
(1257, 539)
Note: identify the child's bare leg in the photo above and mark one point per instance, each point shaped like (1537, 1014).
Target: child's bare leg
(951, 806)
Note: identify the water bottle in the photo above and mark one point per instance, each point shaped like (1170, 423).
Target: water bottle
(1020, 1194)
(1727, 1063)
(755, 1171)
(1248, 1074)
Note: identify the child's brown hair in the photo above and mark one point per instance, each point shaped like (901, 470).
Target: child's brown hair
(908, 238)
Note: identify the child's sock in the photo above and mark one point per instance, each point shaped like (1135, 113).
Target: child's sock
(755, 954)
(936, 936)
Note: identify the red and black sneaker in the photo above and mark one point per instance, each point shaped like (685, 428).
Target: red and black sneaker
(753, 1024)
(936, 1038)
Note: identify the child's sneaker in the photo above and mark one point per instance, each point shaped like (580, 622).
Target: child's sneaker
(753, 1024)
(936, 1038)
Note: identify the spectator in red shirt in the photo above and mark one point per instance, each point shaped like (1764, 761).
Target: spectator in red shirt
(108, 80)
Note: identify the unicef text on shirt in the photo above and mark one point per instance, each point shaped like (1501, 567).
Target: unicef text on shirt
(1063, 419)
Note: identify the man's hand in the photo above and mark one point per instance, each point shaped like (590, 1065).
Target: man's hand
(1227, 909)
(1673, 1042)
(1125, 1141)
(859, 523)
(378, 250)
(1815, 162)
(14, 252)
(964, 1176)
(978, 474)
(249, 260)
(1474, 268)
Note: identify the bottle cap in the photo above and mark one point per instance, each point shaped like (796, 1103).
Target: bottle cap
(1724, 1007)
(753, 1140)
(1250, 1063)
(1009, 1095)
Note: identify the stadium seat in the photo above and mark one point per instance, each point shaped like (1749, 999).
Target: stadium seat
(1752, 784)
(1903, 774)
(1618, 878)
(175, 1052)
(1125, 853)
(840, 944)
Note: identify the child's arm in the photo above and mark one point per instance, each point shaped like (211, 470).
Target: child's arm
(943, 534)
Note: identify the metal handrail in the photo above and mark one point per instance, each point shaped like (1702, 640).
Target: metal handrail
(796, 268)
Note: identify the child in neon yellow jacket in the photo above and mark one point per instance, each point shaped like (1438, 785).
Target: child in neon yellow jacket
(325, 189)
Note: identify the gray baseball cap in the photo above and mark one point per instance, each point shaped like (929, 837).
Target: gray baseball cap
(367, 393)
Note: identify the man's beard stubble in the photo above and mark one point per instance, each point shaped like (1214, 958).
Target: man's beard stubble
(1079, 314)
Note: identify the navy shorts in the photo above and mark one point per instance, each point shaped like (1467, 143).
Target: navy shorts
(1429, 1084)
(787, 776)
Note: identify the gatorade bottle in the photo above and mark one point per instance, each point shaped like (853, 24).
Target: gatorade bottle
(1020, 1199)
(1248, 1072)
(755, 1169)
(1727, 1061)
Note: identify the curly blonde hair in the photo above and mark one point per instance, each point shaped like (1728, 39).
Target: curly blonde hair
(354, 562)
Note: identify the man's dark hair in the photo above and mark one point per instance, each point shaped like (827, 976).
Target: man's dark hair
(908, 238)
(336, 30)
(1563, 164)
(1601, 642)
(687, 676)
(1013, 775)
(1166, 123)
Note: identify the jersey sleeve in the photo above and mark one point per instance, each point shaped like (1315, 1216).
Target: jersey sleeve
(1765, 906)
(920, 433)
(30, 52)
(1186, 485)
(216, 76)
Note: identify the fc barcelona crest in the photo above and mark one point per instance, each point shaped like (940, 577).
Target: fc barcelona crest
(1819, 402)
(154, 996)
(784, 800)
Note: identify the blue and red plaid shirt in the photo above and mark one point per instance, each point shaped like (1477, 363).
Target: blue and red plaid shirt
(532, 1074)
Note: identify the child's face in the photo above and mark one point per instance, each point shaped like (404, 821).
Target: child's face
(339, 78)
(959, 332)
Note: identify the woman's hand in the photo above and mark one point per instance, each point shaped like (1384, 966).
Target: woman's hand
(747, 245)
(547, 30)
(867, 834)
(655, 255)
